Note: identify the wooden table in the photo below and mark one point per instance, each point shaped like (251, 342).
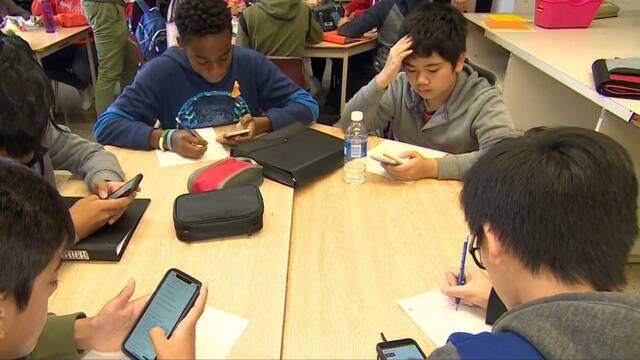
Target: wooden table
(355, 250)
(322, 285)
(246, 275)
(336, 51)
(547, 77)
(43, 43)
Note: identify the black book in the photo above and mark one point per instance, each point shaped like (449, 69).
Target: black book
(109, 242)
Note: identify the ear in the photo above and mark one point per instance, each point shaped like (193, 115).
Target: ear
(3, 297)
(460, 62)
(180, 41)
(493, 251)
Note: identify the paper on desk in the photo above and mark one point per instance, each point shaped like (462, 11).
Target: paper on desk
(507, 17)
(215, 151)
(507, 26)
(437, 317)
(394, 148)
(216, 333)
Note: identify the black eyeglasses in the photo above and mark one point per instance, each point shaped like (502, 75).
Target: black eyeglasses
(474, 249)
(38, 154)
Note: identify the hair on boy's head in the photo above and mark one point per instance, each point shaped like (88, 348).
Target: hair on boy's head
(34, 225)
(26, 98)
(439, 28)
(562, 200)
(202, 17)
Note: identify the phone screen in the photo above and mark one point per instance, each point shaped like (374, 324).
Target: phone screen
(408, 351)
(166, 307)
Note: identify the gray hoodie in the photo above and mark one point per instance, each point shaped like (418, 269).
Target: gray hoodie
(597, 325)
(86, 159)
(473, 119)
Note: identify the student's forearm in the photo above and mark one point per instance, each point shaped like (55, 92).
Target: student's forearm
(82, 331)
(263, 124)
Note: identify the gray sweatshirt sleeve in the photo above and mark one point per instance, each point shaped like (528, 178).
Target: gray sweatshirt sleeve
(448, 352)
(491, 125)
(83, 158)
(376, 106)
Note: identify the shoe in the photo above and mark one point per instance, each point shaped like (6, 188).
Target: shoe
(86, 98)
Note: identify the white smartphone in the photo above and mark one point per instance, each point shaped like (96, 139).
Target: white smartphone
(385, 160)
(231, 134)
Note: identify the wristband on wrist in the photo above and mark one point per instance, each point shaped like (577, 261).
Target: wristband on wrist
(167, 141)
(162, 137)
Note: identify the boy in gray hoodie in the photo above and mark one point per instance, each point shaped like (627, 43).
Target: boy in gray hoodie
(439, 101)
(552, 217)
(29, 136)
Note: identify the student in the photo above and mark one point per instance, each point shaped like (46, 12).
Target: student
(29, 135)
(205, 82)
(279, 28)
(71, 64)
(9, 8)
(553, 219)
(439, 102)
(34, 228)
(116, 54)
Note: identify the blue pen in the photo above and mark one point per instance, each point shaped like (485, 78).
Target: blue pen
(462, 261)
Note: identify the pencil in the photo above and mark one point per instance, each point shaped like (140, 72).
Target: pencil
(191, 131)
(462, 262)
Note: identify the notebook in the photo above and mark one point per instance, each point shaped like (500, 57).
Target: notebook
(109, 242)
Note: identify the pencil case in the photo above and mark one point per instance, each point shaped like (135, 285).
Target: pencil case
(219, 213)
(227, 173)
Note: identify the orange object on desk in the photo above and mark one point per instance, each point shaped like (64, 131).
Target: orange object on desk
(506, 25)
(334, 37)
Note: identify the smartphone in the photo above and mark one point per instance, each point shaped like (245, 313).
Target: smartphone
(126, 189)
(169, 303)
(404, 349)
(385, 160)
(231, 134)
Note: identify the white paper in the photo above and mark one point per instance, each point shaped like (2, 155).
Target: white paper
(216, 333)
(394, 148)
(437, 317)
(215, 151)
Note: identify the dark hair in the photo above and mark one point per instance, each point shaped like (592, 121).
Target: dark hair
(202, 17)
(34, 225)
(562, 200)
(26, 98)
(439, 28)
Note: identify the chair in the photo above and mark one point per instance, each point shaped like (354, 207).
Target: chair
(293, 67)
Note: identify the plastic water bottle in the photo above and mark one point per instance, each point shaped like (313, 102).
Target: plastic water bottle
(355, 150)
(47, 16)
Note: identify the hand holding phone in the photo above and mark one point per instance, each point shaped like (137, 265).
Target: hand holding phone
(170, 302)
(126, 189)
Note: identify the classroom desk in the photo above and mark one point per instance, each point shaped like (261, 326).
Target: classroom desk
(355, 250)
(547, 79)
(336, 51)
(246, 275)
(44, 44)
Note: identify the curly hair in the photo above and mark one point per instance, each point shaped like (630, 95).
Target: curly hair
(26, 98)
(437, 27)
(202, 17)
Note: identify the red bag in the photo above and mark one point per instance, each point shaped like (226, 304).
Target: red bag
(227, 173)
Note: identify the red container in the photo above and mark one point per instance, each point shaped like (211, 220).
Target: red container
(556, 14)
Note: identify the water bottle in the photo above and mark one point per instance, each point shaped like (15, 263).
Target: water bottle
(47, 16)
(355, 150)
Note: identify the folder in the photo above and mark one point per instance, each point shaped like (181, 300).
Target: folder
(110, 241)
(334, 37)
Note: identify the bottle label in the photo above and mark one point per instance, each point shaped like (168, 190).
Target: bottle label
(355, 151)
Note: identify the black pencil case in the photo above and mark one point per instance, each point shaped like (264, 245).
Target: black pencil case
(218, 213)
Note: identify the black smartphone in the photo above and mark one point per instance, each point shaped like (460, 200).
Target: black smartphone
(169, 303)
(404, 349)
(126, 189)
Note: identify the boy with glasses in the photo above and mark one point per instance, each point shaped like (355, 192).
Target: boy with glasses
(553, 218)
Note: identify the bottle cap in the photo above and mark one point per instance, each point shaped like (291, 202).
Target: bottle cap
(356, 116)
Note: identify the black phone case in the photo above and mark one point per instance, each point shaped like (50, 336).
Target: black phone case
(153, 296)
(135, 183)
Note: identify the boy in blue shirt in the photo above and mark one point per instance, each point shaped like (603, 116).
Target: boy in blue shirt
(206, 81)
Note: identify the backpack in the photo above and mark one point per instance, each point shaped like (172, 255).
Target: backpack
(151, 31)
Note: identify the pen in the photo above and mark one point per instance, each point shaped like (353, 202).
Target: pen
(191, 131)
(462, 261)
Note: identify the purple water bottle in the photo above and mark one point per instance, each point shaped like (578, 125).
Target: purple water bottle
(47, 16)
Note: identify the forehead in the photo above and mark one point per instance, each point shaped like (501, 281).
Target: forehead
(419, 61)
(210, 46)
